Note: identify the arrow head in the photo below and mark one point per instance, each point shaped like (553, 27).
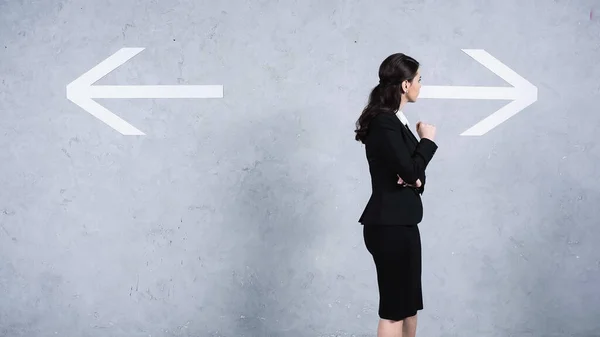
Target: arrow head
(525, 93)
(78, 91)
(528, 95)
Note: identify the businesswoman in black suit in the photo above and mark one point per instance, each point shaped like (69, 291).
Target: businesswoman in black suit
(397, 162)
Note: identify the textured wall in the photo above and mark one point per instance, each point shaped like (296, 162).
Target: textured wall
(237, 216)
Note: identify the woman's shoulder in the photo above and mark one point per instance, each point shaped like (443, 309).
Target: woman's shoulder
(384, 118)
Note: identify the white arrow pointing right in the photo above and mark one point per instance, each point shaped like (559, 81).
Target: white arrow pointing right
(522, 93)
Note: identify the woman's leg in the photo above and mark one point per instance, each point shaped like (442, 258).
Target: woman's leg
(409, 327)
(387, 328)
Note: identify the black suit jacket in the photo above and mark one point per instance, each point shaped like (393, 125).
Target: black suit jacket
(392, 150)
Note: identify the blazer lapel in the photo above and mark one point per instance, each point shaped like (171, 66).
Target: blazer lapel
(408, 134)
(412, 135)
(407, 130)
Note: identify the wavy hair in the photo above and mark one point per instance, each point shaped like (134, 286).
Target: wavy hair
(386, 96)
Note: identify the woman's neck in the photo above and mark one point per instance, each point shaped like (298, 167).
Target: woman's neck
(402, 103)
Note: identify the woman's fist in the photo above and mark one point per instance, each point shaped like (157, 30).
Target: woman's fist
(426, 130)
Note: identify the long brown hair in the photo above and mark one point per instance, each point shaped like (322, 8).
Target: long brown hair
(386, 96)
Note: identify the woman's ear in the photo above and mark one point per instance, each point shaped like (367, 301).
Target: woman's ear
(405, 86)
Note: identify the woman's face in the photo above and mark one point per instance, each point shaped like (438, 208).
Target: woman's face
(413, 88)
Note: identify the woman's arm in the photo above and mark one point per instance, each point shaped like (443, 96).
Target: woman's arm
(408, 167)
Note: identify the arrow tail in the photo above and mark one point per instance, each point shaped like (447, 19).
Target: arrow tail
(465, 92)
(156, 91)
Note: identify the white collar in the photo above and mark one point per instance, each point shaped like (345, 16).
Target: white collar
(402, 118)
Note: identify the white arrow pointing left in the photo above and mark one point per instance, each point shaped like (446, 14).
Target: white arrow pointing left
(81, 91)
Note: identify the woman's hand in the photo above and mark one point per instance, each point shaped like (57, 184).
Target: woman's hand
(401, 182)
(426, 130)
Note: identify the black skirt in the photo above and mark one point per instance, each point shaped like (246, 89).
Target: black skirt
(396, 251)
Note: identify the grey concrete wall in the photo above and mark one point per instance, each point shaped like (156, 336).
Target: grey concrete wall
(237, 216)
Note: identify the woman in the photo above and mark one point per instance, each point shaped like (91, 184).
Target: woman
(397, 162)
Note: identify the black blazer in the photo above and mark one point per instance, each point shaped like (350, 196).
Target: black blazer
(392, 150)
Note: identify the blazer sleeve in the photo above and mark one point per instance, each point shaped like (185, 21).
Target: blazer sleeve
(409, 167)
